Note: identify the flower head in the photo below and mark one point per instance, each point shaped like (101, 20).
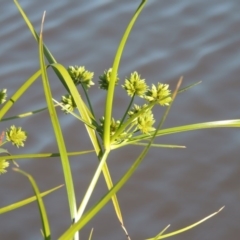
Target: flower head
(145, 123)
(3, 164)
(3, 95)
(68, 103)
(160, 94)
(145, 120)
(136, 109)
(134, 85)
(16, 135)
(80, 75)
(105, 79)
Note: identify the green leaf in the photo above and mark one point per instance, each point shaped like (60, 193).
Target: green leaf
(31, 156)
(234, 123)
(18, 93)
(186, 228)
(42, 210)
(116, 62)
(58, 133)
(24, 202)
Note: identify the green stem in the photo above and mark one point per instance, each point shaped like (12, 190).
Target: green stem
(125, 114)
(88, 100)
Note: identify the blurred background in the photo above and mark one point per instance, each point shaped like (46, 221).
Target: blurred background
(196, 39)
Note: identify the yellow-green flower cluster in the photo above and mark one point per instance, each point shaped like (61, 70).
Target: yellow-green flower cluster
(160, 94)
(3, 165)
(134, 85)
(144, 120)
(80, 75)
(105, 79)
(3, 95)
(68, 103)
(16, 135)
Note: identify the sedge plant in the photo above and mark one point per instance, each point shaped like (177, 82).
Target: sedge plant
(137, 126)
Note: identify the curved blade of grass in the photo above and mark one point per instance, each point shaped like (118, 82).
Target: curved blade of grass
(42, 210)
(42, 155)
(110, 92)
(188, 87)
(186, 228)
(26, 201)
(47, 53)
(234, 123)
(19, 93)
(98, 206)
(58, 133)
(145, 144)
(81, 106)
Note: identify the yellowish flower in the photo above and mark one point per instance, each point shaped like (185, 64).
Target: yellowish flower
(80, 75)
(134, 85)
(105, 79)
(3, 95)
(16, 135)
(3, 165)
(160, 93)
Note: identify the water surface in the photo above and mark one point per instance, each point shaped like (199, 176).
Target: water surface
(196, 39)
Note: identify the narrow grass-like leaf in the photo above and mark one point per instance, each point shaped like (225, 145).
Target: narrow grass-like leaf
(42, 155)
(160, 145)
(188, 87)
(234, 123)
(186, 228)
(19, 93)
(42, 210)
(47, 53)
(145, 144)
(91, 186)
(82, 108)
(91, 233)
(26, 201)
(111, 87)
(58, 133)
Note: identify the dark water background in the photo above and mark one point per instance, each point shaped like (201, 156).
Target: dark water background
(197, 39)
